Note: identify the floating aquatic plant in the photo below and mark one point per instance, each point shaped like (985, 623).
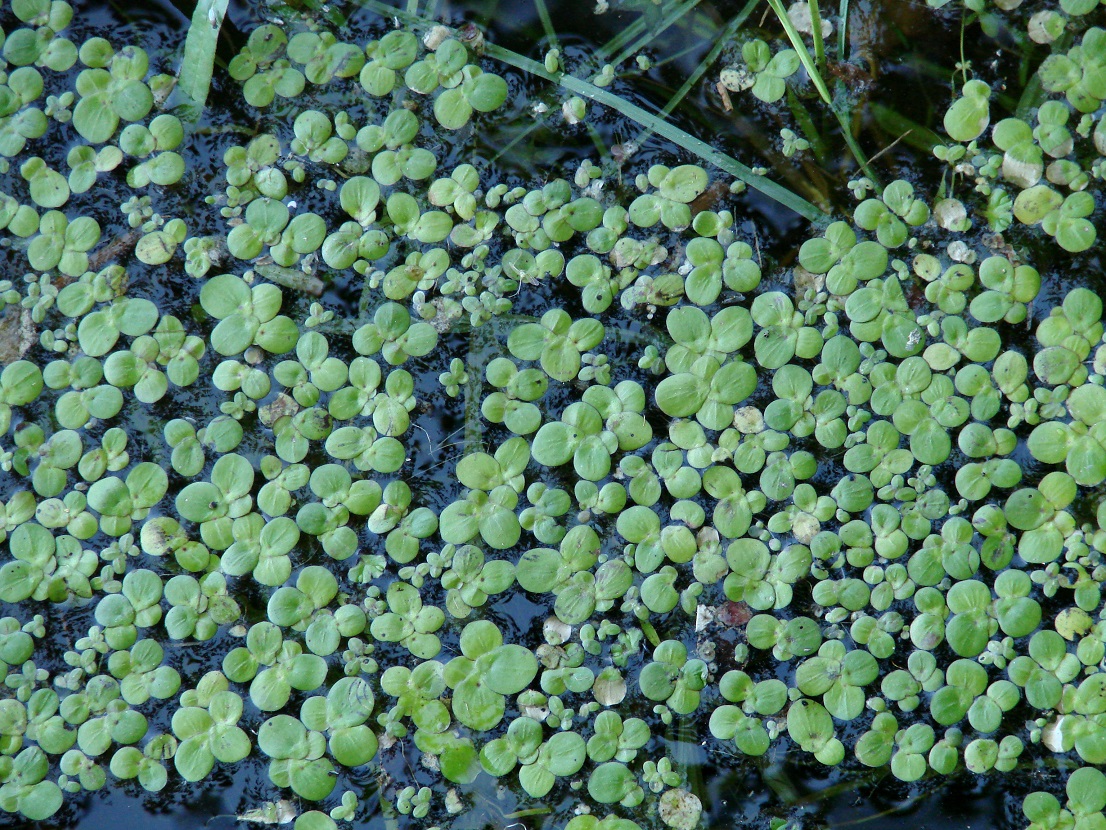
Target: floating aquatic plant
(662, 436)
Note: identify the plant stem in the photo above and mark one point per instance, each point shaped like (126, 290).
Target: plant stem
(547, 24)
(820, 84)
(603, 53)
(917, 135)
(963, 62)
(684, 757)
(675, 56)
(1033, 94)
(658, 125)
(649, 37)
(474, 389)
(842, 27)
(805, 123)
(650, 121)
(816, 33)
(597, 140)
(854, 147)
(801, 50)
(720, 41)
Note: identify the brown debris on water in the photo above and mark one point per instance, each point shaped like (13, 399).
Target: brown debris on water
(733, 614)
(17, 333)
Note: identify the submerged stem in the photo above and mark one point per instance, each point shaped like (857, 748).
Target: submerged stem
(816, 33)
(547, 24)
(842, 28)
(720, 41)
(819, 83)
(671, 19)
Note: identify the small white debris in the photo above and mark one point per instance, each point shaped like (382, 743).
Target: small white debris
(435, 37)
(271, 812)
(1052, 736)
(960, 252)
(801, 20)
(556, 632)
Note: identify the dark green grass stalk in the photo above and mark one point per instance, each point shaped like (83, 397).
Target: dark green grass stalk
(666, 22)
(820, 84)
(720, 41)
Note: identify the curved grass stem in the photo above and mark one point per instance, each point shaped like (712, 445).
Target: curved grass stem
(547, 24)
(658, 125)
(666, 22)
(720, 41)
(811, 67)
(816, 34)
(649, 120)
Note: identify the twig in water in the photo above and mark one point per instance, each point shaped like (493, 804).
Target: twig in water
(889, 146)
(443, 445)
(446, 460)
(727, 104)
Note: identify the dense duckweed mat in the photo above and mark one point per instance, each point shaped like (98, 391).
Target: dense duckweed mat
(417, 423)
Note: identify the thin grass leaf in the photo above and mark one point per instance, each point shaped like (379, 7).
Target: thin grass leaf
(806, 124)
(800, 48)
(820, 85)
(723, 37)
(597, 140)
(676, 56)
(619, 41)
(816, 33)
(916, 135)
(650, 121)
(842, 28)
(1033, 95)
(664, 23)
(547, 24)
(199, 49)
(658, 125)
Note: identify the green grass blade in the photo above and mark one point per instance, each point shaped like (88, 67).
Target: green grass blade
(720, 41)
(842, 29)
(199, 49)
(854, 146)
(675, 56)
(664, 23)
(547, 24)
(917, 135)
(619, 41)
(816, 33)
(658, 125)
(815, 76)
(806, 124)
(803, 53)
(651, 121)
